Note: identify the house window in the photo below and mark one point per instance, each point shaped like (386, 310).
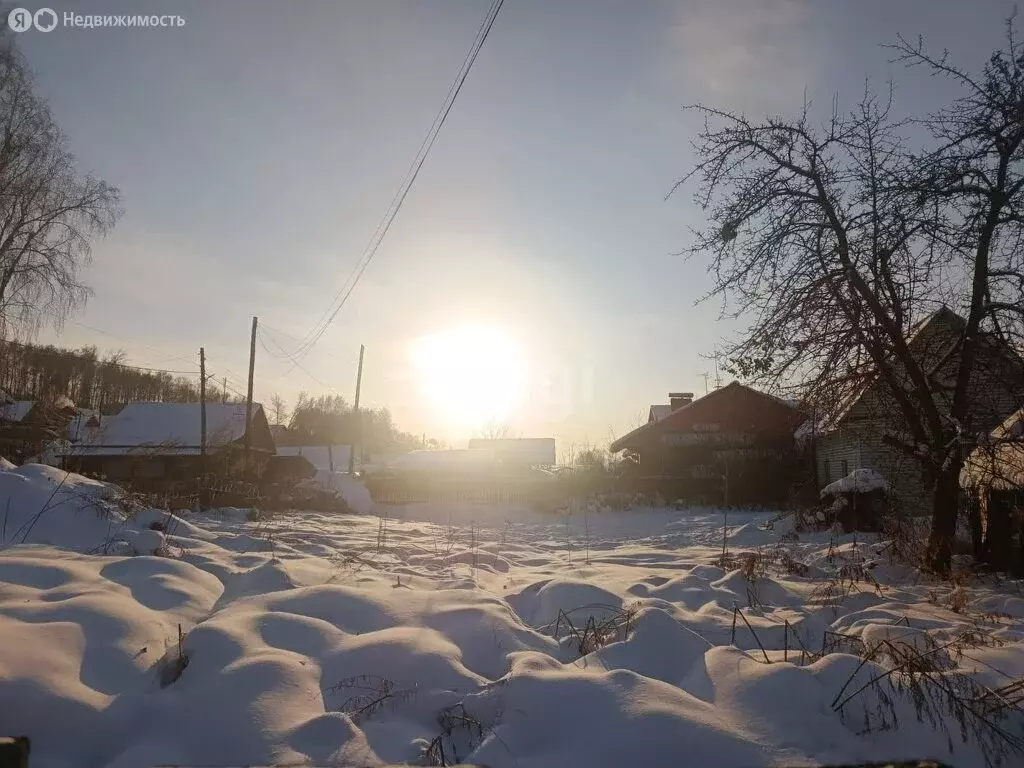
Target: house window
(845, 467)
(828, 471)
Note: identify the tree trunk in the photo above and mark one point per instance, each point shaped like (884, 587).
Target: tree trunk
(944, 511)
(974, 522)
(999, 532)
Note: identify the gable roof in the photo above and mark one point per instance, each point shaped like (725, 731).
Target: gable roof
(319, 456)
(682, 414)
(659, 412)
(167, 428)
(16, 411)
(999, 464)
(942, 320)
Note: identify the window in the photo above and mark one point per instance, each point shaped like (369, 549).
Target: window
(845, 467)
(828, 472)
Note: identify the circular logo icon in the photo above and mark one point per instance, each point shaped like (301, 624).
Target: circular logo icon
(45, 19)
(19, 19)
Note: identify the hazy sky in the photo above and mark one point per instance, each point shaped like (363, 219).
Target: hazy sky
(257, 147)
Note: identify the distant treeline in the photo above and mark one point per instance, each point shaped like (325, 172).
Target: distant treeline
(105, 382)
(37, 372)
(329, 419)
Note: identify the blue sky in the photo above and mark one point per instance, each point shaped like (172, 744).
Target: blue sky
(257, 147)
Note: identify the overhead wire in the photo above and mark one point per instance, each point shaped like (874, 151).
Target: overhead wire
(263, 343)
(317, 331)
(130, 341)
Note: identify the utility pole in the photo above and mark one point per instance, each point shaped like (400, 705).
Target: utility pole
(202, 428)
(248, 397)
(359, 421)
(706, 376)
(224, 391)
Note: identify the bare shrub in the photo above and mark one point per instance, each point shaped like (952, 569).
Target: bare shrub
(852, 574)
(927, 675)
(609, 626)
(461, 733)
(173, 663)
(367, 694)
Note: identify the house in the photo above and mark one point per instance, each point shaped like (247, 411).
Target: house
(993, 476)
(733, 446)
(29, 427)
(154, 445)
(854, 438)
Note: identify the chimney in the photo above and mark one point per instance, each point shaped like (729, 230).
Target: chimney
(678, 399)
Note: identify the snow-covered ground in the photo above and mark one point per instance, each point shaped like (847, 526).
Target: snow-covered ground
(496, 636)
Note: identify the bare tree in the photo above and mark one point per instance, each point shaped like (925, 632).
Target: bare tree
(495, 430)
(48, 210)
(278, 409)
(835, 241)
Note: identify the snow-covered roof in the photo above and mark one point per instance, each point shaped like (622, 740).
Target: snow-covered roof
(164, 428)
(318, 455)
(858, 481)
(16, 411)
(78, 428)
(999, 462)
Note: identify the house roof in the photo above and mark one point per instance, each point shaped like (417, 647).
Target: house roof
(682, 414)
(999, 464)
(165, 428)
(318, 455)
(933, 321)
(78, 428)
(659, 412)
(16, 411)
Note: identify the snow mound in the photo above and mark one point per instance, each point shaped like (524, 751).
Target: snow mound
(344, 486)
(43, 505)
(858, 481)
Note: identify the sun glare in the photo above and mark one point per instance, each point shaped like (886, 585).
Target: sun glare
(473, 375)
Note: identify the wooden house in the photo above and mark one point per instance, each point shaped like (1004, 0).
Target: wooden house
(29, 427)
(154, 446)
(734, 446)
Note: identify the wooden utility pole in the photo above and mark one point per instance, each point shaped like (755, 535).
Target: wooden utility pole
(202, 428)
(224, 391)
(248, 397)
(359, 421)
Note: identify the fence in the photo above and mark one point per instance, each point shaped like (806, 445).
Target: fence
(503, 490)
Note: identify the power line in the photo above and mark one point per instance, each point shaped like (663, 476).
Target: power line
(263, 343)
(316, 333)
(129, 341)
(284, 355)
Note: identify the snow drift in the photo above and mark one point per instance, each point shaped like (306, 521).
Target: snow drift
(332, 639)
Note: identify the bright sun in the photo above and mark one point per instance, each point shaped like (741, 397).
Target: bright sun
(472, 374)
